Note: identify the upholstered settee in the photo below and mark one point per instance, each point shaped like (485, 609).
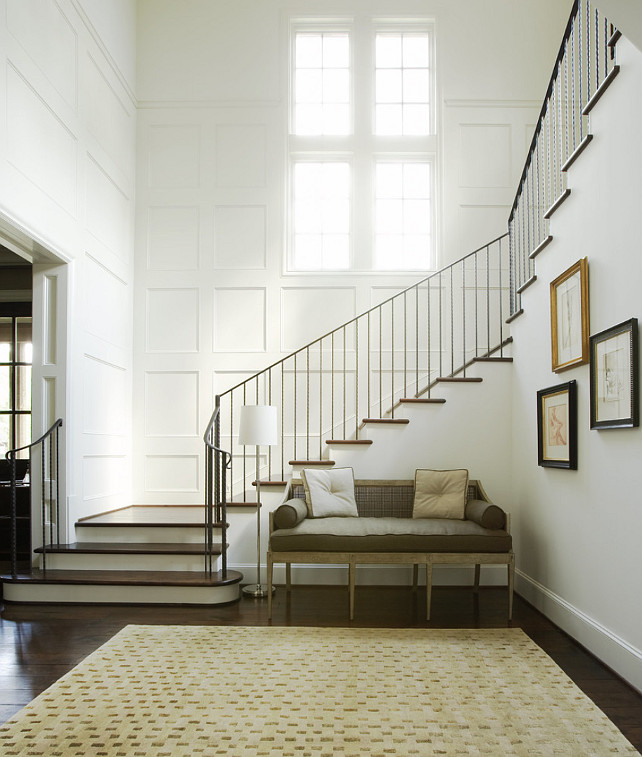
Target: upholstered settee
(390, 526)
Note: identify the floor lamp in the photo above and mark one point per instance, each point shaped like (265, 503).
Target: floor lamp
(257, 426)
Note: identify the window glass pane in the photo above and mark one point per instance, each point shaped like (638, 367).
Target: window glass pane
(402, 216)
(416, 86)
(416, 119)
(5, 434)
(23, 428)
(309, 86)
(416, 52)
(5, 387)
(336, 252)
(6, 339)
(308, 51)
(389, 119)
(23, 387)
(402, 75)
(336, 51)
(322, 215)
(322, 84)
(388, 50)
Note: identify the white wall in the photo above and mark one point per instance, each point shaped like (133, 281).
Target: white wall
(577, 532)
(67, 140)
(213, 304)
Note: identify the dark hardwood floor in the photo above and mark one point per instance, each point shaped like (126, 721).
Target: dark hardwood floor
(40, 643)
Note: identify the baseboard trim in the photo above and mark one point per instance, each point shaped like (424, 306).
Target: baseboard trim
(612, 650)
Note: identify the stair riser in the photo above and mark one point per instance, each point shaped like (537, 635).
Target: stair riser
(106, 594)
(79, 561)
(143, 534)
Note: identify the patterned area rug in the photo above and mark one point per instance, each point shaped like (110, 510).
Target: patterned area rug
(179, 691)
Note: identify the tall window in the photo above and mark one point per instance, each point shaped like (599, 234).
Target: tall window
(15, 382)
(362, 147)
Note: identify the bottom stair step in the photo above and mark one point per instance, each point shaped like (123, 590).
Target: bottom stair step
(121, 587)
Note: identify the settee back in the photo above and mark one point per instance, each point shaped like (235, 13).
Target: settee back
(386, 498)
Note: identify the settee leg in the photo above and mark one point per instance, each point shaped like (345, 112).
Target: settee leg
(428, 588)
(477, 573)
(351, 571)
(511, 581)
(415, 576)
(288, 576)
(270, 571)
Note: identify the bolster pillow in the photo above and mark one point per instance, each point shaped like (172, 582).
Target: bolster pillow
(290, 513)
(485, 514)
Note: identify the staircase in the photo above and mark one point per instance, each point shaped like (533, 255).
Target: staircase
(127, 556)
(346, 398)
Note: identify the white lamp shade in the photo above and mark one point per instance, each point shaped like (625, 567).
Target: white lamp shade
(258, 425)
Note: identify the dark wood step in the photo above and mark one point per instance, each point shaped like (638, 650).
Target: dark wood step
(386, 420)
(492, 359)
(311, 462)
(515, 315)
(100, 548)
(541, 246)
(425, 400)
(349, 441)
(125, 578)
(460, 379)
(526, 284)
(577, 152)
(606, 83)
(271, 483)
(566, 193)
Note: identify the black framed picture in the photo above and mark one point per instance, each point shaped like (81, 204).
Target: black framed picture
(614, 376)
(557, 426)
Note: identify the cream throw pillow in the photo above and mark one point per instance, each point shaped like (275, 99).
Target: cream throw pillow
(440, 494)
(330, 492)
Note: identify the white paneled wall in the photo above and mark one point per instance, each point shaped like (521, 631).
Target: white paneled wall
(67, 148)
(214, 303)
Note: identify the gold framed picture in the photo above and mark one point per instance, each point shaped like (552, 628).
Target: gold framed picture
(570, 317)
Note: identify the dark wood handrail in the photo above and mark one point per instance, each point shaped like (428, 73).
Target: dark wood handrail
(11, 454)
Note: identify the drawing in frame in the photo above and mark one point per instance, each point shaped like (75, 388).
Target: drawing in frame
(557, 426)
(570, 317)
(614, 377)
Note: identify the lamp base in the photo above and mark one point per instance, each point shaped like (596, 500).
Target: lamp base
(257, 590)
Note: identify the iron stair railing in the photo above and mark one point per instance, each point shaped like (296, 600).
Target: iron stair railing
(217, 463)
(584, 67)
(48, 481)
(361, 370)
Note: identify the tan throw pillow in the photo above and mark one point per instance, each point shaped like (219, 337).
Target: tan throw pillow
(440, 494)
(330, 492)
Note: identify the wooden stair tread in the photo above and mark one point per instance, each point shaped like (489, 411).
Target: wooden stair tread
(311, 462)
(427, 400)
(493, 359)
(125, 578)
(386, 420)
(99, 548)
(157, 516)
(461, 379)
(349, 441)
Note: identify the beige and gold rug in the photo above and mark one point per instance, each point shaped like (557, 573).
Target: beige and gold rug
(180, 691)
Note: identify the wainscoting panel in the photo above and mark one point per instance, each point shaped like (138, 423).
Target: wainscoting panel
(171, 473)
(171, 403)
(174, 156)
(105, 401)
(239, 237)
(239, 320)
(173, 238)
(172, 320)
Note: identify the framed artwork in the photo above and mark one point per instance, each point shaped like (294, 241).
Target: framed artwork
(570, 317)
(614, 376)
(557, 426)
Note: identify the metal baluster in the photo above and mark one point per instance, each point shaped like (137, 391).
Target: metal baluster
(487, 301)
(307, 403)
(269, 402)
(416, 340)
(283, 420)
(344, 384)
(405, 348)
(463, 314)
(356, 377)
(440, 327)
(380, 364)
(332, 385)
(511, 268)
(320, 399)
(501, 297)
(452, 325)
(295, 404)
(368, 364)
(476, 307)
(43, 509)
(428, 329)
(232, 450)
(597, 50)
(392, 353)
(588, 52)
